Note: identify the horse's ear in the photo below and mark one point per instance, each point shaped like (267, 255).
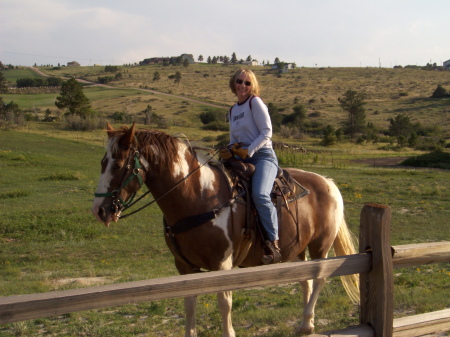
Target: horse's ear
(109, 129)
(128, 137)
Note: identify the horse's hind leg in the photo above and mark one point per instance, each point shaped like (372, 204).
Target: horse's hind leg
(190, 305)
(311, 290)
(225, 303)
(307, 325)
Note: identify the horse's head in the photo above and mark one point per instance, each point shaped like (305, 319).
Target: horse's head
(123, 173)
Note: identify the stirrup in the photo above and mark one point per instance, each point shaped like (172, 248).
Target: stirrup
(275, 256)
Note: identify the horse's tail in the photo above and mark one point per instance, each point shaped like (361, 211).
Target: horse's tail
(344, 244)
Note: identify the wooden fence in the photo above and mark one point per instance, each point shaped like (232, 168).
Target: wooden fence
(374, 263)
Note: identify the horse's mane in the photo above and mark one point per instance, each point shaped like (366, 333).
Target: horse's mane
(158, 147)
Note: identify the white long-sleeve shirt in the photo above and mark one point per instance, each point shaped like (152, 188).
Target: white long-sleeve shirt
(250, 125)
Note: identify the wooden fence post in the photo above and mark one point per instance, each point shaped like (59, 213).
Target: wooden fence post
(377, 285)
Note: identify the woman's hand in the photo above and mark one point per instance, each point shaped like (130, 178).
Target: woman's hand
(239, 151)
(225, 153)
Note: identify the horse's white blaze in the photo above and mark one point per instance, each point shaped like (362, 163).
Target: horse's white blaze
(103, 182)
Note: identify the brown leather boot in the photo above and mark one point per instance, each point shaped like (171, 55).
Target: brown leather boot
(274, 256)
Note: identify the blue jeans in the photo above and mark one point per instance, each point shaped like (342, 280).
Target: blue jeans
(266, 167)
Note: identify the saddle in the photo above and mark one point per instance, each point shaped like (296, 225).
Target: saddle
(284, 186)
(284, 191)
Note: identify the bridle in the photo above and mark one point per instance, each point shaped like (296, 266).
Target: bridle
(120, 204)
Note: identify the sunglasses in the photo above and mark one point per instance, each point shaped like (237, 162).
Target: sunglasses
(247, 83)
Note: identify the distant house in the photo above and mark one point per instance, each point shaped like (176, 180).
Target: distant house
(170, 60)
(250, 63)
(152, 60)
(447, 64)
(283, 67)
(73, 64)
(188, 57)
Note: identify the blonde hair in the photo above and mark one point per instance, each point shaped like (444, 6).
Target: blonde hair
(254, 90)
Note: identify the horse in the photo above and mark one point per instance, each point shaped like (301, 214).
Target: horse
(194, 192)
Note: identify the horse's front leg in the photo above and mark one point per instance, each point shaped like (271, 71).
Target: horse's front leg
(190, 306)
(307, 325)
(225, 300)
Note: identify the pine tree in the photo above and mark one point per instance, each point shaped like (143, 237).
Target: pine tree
(353, 103)
(73, 98)
(177, 77)
(234, 59)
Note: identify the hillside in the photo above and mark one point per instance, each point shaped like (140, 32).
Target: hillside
(389, 92)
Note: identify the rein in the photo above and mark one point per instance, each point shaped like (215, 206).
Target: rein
(165, 194)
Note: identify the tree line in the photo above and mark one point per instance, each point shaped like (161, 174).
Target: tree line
(233, 60)
(30, 82)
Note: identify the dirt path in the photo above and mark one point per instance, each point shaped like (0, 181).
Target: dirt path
(390, 161)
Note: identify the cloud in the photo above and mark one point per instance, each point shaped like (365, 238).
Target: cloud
(326, 33)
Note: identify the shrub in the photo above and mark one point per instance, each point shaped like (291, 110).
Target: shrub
(39, 82)
(436, 159)
(111, 69)
(25, 82)
(162, 123)
(105, 79)
(439, 92)
(430, 143)
(216, 126)
(314, 114)
(75, 122)
(329, 137)
(54, 81)
(212, 115)
(122, 116)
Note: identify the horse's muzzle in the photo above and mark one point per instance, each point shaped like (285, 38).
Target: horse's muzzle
(104, 216)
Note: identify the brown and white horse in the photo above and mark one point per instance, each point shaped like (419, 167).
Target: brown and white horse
(184, 186)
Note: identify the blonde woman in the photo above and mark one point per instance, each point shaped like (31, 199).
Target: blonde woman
(250, 141)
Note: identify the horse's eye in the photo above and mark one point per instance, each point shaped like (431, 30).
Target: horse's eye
(117, 166)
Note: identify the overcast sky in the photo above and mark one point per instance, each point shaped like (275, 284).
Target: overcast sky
(336, 33)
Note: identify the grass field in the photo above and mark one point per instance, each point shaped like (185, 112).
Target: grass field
(49, 240)
(15, 74)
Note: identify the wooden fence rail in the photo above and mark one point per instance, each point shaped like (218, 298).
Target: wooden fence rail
(375, 263)
(23, 307)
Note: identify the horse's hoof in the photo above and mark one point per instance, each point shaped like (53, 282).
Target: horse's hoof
(302, 330)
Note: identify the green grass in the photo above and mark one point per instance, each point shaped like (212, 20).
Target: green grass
(49, 240)
(94, 94)
(14, 74)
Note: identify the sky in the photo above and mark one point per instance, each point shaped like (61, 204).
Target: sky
(325, 33)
